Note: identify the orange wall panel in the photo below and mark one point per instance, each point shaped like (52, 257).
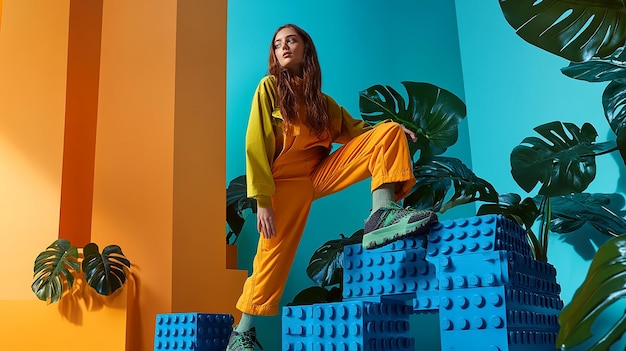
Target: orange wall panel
(199, 252)
(133, 179)
(159, 184)
(33, 61)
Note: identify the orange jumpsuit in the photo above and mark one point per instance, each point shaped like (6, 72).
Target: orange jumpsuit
(302, 170)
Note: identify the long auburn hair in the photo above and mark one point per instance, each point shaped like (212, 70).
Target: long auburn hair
(317, 113)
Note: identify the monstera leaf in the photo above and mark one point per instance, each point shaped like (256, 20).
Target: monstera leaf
(599, 69)
(571, 212)
(432, 113)
(604, 286)
(105, 272)
(436, 176)
(326, 265)
(573, 29)
(614, 101)
(521, 212)
(54, 269)
(511, 206)
(237, 201)
(564, 163)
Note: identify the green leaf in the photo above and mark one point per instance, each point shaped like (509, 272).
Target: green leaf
(432, 113)
(599, 69)
(435, 177)
(511, 206)
(614, 103)
(573, 29)
(521, 212)
(604, 286)
(54, 269)
(326, 265)
(564, 162)
(237, 201)
(106, 271)
(571, 212)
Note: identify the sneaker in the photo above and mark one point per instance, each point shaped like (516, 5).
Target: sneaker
(245, 341)
(393, 223)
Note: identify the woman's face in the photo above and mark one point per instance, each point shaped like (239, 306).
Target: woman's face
(289, 50)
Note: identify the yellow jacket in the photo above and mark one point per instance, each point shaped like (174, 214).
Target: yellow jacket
(265, 137)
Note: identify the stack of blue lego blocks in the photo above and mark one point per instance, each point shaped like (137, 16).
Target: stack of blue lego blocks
(478, 273)
(192, 331)
(492, 293)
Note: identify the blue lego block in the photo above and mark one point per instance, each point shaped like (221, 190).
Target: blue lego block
(374, 273)
(349, 325)
(473, 270)
(497, 268)
(192, 331)
(506, 316)
(477, 234)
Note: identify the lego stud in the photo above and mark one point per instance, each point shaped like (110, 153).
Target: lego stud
(331, 331)
(446, 324)
(318, 312)
(432, 251)
(479, 323)
(495, 299)
(318, 330)
(446, 303)
(474, 280)
(462, 302)
(434, 238)
(463, 323)
(486, 245)
(445, 262)
(478, 300)
(490, 279)
(496, 322)
(355, 311)
(448, 224)
(460, 282)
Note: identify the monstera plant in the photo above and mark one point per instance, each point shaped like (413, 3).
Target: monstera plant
(56, 268)
(590, 34)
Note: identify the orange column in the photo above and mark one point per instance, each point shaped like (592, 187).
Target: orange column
(83, 70)
(159, 166)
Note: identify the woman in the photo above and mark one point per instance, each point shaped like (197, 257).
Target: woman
(291, 130)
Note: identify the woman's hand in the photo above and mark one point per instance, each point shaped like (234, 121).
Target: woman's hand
(265, 222)
(409, 133)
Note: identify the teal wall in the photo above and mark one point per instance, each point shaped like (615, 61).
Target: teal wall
(512, 87)
(466, 47)
(360, 43)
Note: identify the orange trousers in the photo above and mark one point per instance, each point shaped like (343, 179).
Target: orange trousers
(301, 176)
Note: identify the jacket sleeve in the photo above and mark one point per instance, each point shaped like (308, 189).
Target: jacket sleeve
(344, 126)
(260, 144)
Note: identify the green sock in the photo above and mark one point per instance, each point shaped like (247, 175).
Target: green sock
(246, 323)
(382, 196)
